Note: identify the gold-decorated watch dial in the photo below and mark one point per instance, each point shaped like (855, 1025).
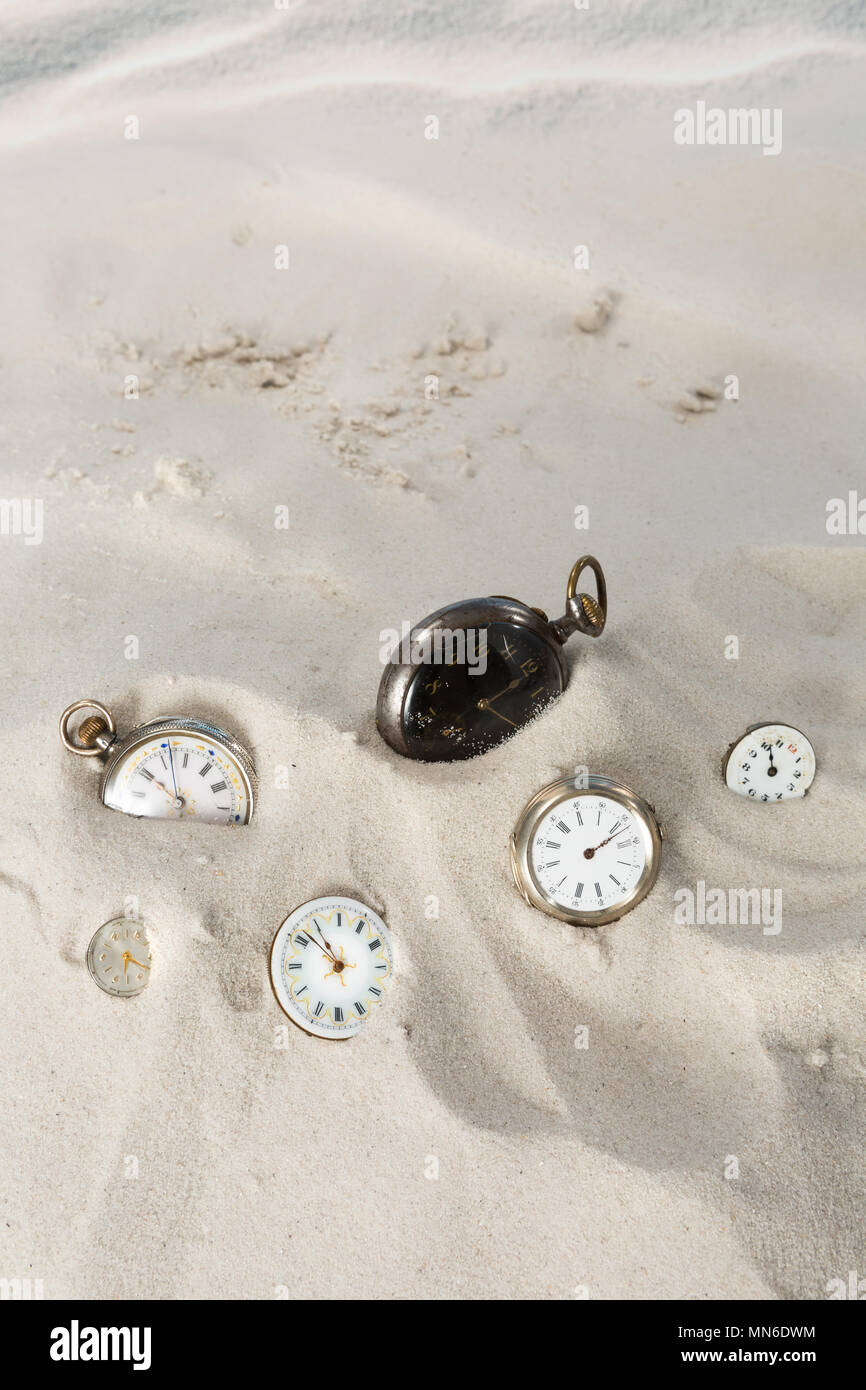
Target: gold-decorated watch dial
(119, 957)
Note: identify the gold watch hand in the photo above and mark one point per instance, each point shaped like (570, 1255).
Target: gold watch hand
(486, 703)
(139, 963)
(501, 716)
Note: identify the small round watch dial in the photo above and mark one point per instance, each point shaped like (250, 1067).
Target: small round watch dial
(771, 762)
(330, 962)
(179, 774)
(119, 957)
(452, 711)
(588, 854)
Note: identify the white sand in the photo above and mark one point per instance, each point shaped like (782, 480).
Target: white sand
(305, 1168)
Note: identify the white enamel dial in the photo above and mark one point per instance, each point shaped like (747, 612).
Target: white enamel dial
(586, 851)
(771, 762)
(330, 962)
(119, 957)
(179, 773)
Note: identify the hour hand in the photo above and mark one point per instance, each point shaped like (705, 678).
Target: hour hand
(487, 703)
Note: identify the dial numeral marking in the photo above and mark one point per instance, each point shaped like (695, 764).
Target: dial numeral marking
(579, 816)
(359, 1009)
(338, 1014)
(598, 889)
(143, 772)
(374, 945)
(318, 1009)
(205, 769)
(561, 825)
(302, 940)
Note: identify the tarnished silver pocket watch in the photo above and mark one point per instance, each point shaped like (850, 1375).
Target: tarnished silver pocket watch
(472, 674)
(586, 850)
(171, 768)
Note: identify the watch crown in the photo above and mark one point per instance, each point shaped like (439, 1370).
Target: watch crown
(592, 609)
(90, 729)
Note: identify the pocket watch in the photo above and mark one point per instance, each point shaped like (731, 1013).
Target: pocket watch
(171, 768)
(472, 674)
(330, 962)
(586, 850)
(119, 957)
(770, 762)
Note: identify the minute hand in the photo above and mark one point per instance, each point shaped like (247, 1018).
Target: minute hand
(588, 853)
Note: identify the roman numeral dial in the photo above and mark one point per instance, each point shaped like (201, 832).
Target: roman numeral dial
(331, 963)
(586, 851)
(181, 775)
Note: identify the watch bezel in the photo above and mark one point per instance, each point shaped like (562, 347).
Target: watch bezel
(398, 676)
(120, 750)
(541, 804)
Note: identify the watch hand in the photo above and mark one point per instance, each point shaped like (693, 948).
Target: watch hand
(588, 853)
(320, 948)
(172, 796)
(486, 703)
(330, 951)
(139, 963)
(171, 765)
(483, 704)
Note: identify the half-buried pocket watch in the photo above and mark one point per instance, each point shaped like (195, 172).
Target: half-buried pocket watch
(770, 762)
(171, 768)
(586, 850)
(330, 962)
(472, 674)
